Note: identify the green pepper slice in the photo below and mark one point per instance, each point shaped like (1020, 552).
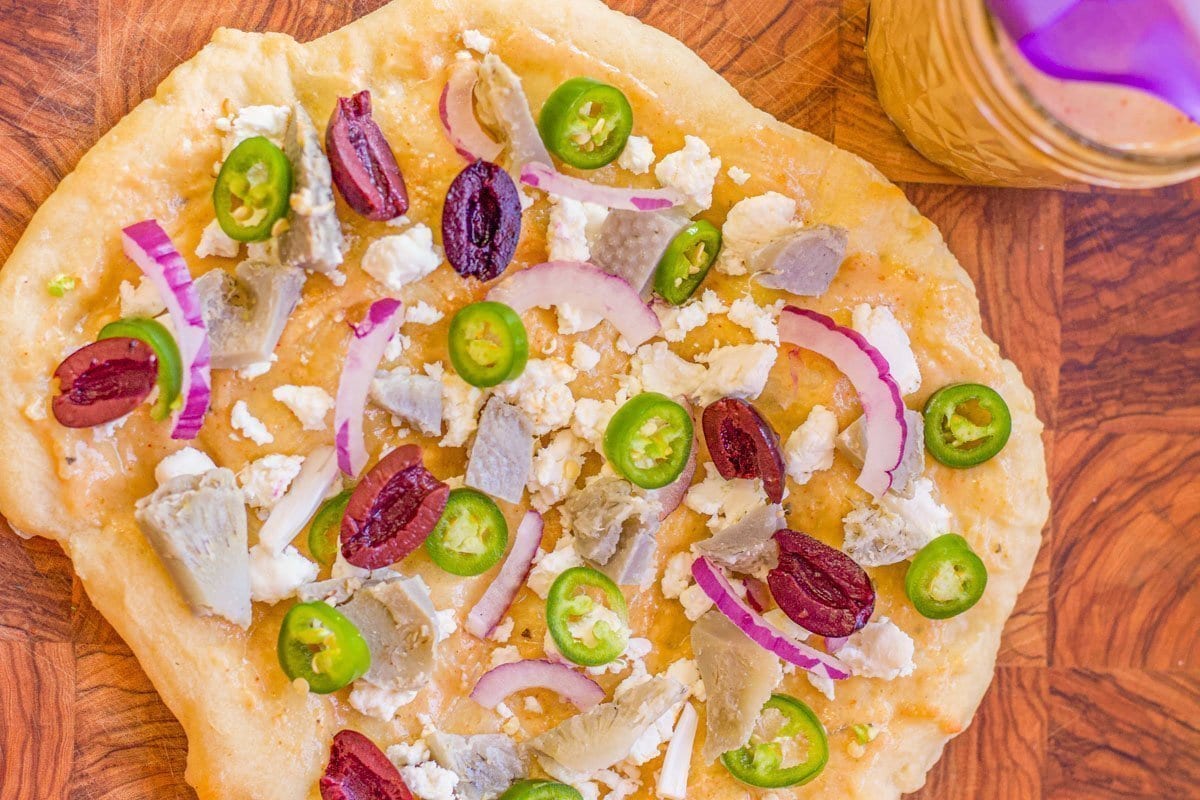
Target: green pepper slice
(966, 424)
(686, 261)
(318, 643)
(541, 790)
(945, 578)
(586, 123)
(471, 535)
(253, 190)
(488, 344)
(578, 596)
(649, 440)
(326, 527)
(788, 747)
(170, 362)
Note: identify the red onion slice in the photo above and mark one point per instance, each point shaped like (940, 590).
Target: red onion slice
(671, 495)
(672, 781)
(886, 431)
(457, 111)
(757, 594)
(366, 349)
(835, 643)
(585, 287)
(490, 609)
(545, 177)
(519, 676)
(148, 246)
(295, 509)
(714, 584)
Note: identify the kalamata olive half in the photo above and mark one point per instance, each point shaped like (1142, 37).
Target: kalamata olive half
(103, 381)
(743, 445)
(364, 169)
(481, 221)
(819, 587)
(392, 510)
(358, 770)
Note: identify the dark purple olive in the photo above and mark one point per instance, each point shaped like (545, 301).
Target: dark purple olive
(481, 221)
(358, 770)
(743, 445)
(364, 169)
(392, 510)
(820, 588)
(103, 381)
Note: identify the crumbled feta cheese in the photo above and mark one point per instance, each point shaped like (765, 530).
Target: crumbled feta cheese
(637, 156)
(762, 321)
(575, 320)
(810, 447)
(461, 403)
(215, 242)
(532, 705)
(188, 461)
(895, 527)
(583, 628)
(556, 468)
(429, 781)
(407, 755)
(421, 313)
(548, 566)
(543, 392)
(880, 650)
(724, 502)
(140, 301)
(251, 121)
(476, 41)
(572, 227)
(692, 171)
(257, 369)
(396, 261)
(591, 419)
(380, 703)
(310, 404)
(504, 655)
(738, 175)
(658, 369)
(823, 684)
(687, 673)
(394, 350)
(266, 480)
(678, 321)
(752, 224)
(277, 576)
(677, 584)
(584, 358)
(503, 631)
(879, 326)
(447, 624)
(344, 569)
(267, 251)
(739, 370)
(695, 602)
(249, 425)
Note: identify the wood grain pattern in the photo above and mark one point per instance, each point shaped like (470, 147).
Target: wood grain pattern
(1093, 294)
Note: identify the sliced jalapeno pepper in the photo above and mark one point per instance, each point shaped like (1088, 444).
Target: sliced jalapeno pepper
(471, 536)
(326, 527)
(541, 790)
(586, 123)
(170, 363)
(966, 424)
(788, 747)
(318, 643)
(488, 344)
(686, 261)
(649, 440)
(945, 578)
(253, 190)
(587, 616)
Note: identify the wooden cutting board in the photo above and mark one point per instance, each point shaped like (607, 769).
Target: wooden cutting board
(1096, 296)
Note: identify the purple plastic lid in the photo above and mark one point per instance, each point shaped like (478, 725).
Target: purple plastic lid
(1153, 45)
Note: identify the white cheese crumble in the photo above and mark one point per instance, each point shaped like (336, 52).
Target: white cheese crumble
(430, 781)
(810, 447)
(142, 300)
(251, 121)
(548, 566)
(691, 171)
(686, 672)
(678, 321)
(380, 703)
(249, 425)
(895, 527)
(543, 392)
(724, 502)
(276, 576)
(257, 369)
(761, 321)
(407, 755)
(739, 370)
(421, 313)
(823, 684)
(751, 224)
(188, 461)
(504, 655)
(583, 628)
(476, 41)
(396, 261)
(503, 631)
(575, 320)
(677, 584)
(215, 242)
(266, 480)
(461, 403)
(310, 404)
(637, 156)
(556, 468)
(657, 369)
(584, 358)
(879, 326)
(880, 650)
(572, 227)
(738, 175)
(591, 419)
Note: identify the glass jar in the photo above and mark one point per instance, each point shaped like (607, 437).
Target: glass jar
(960, 90)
